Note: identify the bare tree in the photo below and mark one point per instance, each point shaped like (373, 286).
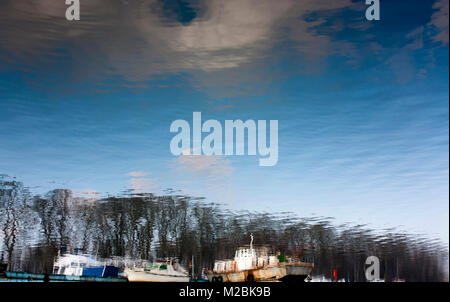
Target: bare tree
(13, 206)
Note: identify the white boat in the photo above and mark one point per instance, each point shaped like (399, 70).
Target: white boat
(162, 271)
(73, 265)
(83, 266)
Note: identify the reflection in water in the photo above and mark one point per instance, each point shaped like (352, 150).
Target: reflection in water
(363, 110)
(138, 40)
(146, 226)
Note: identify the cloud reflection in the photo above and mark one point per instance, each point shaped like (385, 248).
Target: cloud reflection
(141, 40)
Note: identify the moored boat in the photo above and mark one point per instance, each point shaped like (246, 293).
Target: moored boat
(23, 276)
(83, 266)
(255, 264)
(161, 271)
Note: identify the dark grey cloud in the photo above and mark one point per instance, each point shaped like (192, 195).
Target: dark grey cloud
(142, 40)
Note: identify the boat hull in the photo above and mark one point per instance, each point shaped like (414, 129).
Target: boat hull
(281, 272)
(143, 276)
(60, 278)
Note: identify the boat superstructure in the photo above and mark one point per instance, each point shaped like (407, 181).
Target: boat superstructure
(83, 266)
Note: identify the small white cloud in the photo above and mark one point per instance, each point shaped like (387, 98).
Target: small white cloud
(208, 165)
(138, 173)
(144, 185)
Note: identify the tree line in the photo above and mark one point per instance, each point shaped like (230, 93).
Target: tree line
(147, 226)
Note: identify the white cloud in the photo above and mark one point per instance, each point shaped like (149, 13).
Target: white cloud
(211, 166)
(228, 33)
(226, 49)
(144, 185)
(138, 173)
(209, 176)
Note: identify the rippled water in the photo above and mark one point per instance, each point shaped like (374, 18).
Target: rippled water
(362, 107)
(147, 226)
